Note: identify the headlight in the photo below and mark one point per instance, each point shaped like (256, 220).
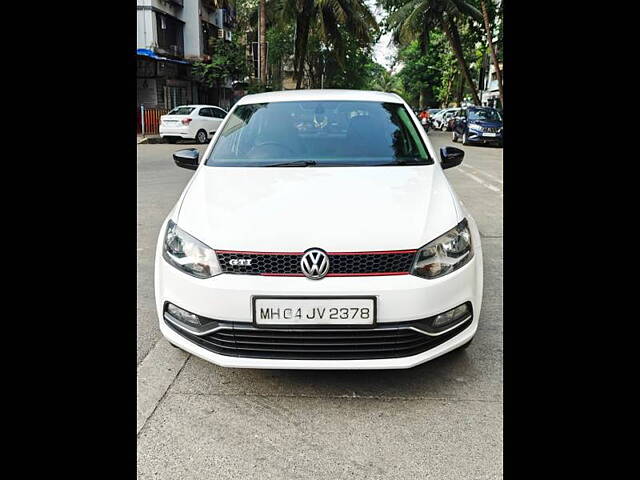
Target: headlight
(474, 126)
(445, 254)
(189, 254)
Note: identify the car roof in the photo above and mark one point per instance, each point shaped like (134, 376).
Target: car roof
(319, 95)
(196, 106)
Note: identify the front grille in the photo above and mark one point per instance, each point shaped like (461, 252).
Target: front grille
(490, 129)
(340, 264)
(242, 340)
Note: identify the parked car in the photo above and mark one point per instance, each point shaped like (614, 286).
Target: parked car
(478, 125)
(441, 120)
(193, 122)
(319, 248)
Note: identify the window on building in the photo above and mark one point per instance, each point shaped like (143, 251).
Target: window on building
(209, 32)
(174, 96)
(170, 34)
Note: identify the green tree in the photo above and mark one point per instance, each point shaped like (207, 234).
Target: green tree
(353, 68)
(227, 62)
(328, 20)
(385, 81)
(280, 41)
(489, 14)
(417, 18)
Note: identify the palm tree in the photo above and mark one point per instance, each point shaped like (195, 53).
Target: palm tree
(385, 82)
(418, 17)
(327, 18)
(492, 49)
(262, 43)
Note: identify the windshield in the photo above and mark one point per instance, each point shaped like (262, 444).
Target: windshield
(181, 111)
(485, 114)
(319, 133)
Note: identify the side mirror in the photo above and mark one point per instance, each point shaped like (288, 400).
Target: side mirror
(450, 157)
(187, 158)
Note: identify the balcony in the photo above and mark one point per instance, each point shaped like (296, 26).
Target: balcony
(210, 4)
(179, 3)
(228, 17)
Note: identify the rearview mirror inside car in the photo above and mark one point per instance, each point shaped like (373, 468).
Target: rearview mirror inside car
(187, 158)
(450, 157)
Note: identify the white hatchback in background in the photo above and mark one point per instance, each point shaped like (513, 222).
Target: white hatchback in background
(441, 119)
(319, 231)
(193, 122)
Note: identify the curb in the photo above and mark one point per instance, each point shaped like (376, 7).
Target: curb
(150, 140)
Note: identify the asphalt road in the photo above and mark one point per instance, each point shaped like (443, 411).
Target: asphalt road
(441, 420)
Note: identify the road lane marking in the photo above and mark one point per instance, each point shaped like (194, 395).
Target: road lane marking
(493, 188)
(477, 170)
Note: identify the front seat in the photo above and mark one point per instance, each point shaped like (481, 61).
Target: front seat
(366, 137)
(278, 138)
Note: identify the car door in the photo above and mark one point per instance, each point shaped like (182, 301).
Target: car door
(218, 116)
(208, 120)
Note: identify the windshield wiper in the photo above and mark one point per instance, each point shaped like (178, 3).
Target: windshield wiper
(299, 163)
(418, 161)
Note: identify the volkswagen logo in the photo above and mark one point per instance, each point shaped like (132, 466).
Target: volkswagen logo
(314, 264)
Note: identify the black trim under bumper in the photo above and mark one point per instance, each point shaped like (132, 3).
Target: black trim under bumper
(391, 340)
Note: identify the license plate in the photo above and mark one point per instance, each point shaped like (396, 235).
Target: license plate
(486, 134)
(301, 311)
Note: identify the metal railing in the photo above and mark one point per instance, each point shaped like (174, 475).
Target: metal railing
(149, 120)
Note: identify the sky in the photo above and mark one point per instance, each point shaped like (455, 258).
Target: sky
(383, 50)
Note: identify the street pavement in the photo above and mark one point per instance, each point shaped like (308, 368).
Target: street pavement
(440, 420)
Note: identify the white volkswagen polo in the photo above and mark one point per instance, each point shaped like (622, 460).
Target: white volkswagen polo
(319, 232)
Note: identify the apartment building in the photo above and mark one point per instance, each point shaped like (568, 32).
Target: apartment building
(489, 89)
(171, 35)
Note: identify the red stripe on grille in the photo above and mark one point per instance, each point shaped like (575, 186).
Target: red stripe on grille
(388, 252)
(375, 252)
(257, 253)
(374, 274)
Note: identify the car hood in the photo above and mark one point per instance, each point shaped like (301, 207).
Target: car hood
(334, 208)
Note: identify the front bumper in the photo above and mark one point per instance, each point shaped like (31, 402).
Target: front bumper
(478, 137)
(467, 333)
(401, 299)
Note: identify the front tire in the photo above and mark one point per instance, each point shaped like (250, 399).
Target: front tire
(454, 136)
(201, 137)
(465, 140)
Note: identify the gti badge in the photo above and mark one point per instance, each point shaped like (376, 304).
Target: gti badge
(242, 262)
(314, 264)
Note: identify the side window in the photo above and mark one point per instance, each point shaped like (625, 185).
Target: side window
(219, 113)
(205, 112)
